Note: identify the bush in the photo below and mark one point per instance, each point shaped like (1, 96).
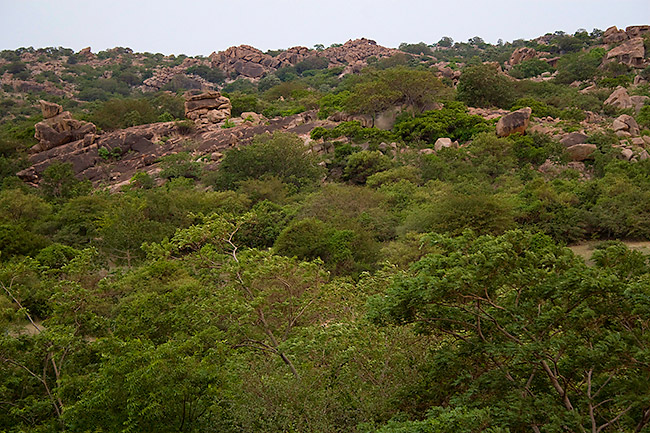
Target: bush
(180, 164)
(643, 118)
(484, 86)
(281, 155)
(530, 68)
(452, 121)
(379, 90)
(364, 164)
(213, 75)
(578, 66)
(311, 63)
(417, 49)
(60, 184)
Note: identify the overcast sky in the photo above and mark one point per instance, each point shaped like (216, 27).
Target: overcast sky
(200, 27)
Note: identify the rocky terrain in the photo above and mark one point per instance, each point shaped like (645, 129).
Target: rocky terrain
(112, 158)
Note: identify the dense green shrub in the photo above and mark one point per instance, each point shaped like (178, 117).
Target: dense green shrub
(214, 75)
(364, 164)
(281, 155)
(530, 68)
(578, 66)
(180, 164)
(484, 86)
(452, 121)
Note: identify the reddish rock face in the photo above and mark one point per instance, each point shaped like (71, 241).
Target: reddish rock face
(207, 107)
(60, 129)
(521, 55)
(517, 121)
(631, 53)
(613, 35)
(619, 99)
(50, 109)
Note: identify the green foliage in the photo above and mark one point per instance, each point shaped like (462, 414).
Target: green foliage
(499, 304)
(643, 118)
(214, 75)
(331, 103)
(578, 66)
(530, 68)
(60, 184)
(281, 155)
(311, 63)
(362, 165)
(354, 131)
(379, 90)
(122, 113)
(180, 164)
(484, 86)
(419, 48)
(451, 121)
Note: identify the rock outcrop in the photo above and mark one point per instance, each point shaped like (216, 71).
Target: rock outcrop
(521, 55)
(207, 107)
(637, 31)
(140, 148)
(252, 63)
(58, 127)
(626, 126)
(619, 99)
(631, 53)
(163, 76)
(356, 50)
(613, 35)
(514, 122)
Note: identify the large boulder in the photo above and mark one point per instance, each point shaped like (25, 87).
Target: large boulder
(619, 99)
(581, 152)
(631, 53)
(50, 109)
(637, 31)
(573, 138)
(521, 55)
(514, 122)
(625, 126)
(59, 129)
(207, 107)
(443, 142)
(613, 35)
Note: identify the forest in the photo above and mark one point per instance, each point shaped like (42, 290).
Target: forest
(388, 285)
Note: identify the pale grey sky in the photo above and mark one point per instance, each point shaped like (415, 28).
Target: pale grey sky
(200, 27)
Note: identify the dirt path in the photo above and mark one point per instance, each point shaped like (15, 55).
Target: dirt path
(586, 249)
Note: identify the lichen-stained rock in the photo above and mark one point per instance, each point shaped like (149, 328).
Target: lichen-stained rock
(60, 129)
(514, 122)
(581, 152)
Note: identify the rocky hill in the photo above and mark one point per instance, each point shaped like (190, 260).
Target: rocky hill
(265, 92)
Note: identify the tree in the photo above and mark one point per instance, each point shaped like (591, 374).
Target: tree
(380, 90)
(484, 86)
(546, 342)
